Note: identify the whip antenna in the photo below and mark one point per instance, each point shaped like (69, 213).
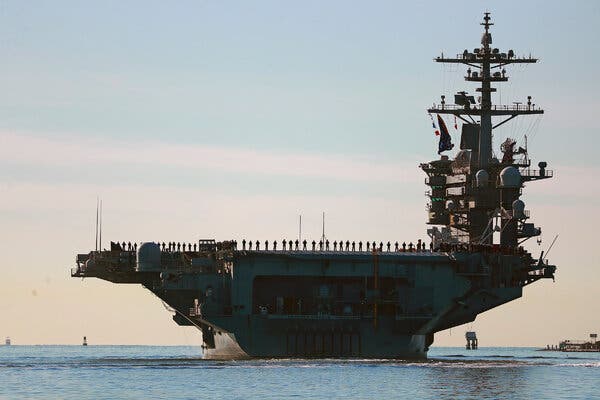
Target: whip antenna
(97, 208)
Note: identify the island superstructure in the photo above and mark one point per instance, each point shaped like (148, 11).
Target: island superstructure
(313, 298)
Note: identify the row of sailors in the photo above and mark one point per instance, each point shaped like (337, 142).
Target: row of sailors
(291, 245)
(171, 246)
(341, 245)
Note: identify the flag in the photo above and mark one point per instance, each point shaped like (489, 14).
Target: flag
(431, 117)
(445, 139)
(437, 133)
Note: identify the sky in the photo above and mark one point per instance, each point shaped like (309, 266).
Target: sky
(227, 120)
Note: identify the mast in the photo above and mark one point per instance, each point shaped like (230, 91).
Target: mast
(485, 139)
(323, 239)
(490, 62)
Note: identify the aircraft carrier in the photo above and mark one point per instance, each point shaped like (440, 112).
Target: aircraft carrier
(316, 298)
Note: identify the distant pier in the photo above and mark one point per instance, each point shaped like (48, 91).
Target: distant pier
(583, 346)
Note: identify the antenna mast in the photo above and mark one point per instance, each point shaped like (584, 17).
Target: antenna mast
(485, 59)
(323, 237)
(97, 208)
(100, 239)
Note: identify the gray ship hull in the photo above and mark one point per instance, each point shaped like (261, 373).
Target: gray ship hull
(316, 339)
(327, 304)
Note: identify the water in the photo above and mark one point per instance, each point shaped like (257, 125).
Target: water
(135, 372)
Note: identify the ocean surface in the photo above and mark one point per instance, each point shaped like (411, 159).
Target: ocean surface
(145, 372)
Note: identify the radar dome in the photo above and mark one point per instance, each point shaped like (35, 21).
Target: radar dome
(148, 257)
(482, 178)
(518, 209)
(510, 177)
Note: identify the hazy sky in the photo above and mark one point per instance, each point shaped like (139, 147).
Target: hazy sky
(228, 119)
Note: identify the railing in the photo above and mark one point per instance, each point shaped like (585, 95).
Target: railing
(482, 248)
(496, 107)
(478, 56)
(536, 173)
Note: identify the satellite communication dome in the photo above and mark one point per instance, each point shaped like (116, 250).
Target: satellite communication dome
(148, 257)
(518, 207)
(482, 178)
(510, 177)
